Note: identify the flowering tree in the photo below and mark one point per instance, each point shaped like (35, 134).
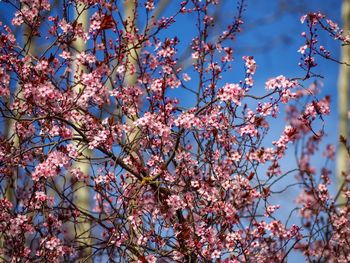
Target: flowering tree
(180, 170)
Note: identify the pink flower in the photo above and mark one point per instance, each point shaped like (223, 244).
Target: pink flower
(250, 64)
(186, 77)
(334, 26)
(236, 156)
(150, 5)
(66, 27)
(52, 243)
(249, 81)
(215, 254)
(231, 92)
(187, 120)
(248, 129)
(65, 55)
(175, 202)
(78, 174)
(302, 19)
(302, 49)
(41, 196)
(120, 69)
(49, 168)
(279, 82)
(271, 209)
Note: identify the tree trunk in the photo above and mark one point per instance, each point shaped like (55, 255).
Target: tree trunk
(81, 191)
(343, 100)
(11, 183)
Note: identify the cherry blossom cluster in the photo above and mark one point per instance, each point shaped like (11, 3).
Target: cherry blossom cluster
(317, 23)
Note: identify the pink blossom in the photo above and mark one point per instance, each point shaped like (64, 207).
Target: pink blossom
(49, 168)
(279, 82)
(150, 5)
(186, 77)
(302, 49)
(231, 92)
(175, 202)
(250, 64)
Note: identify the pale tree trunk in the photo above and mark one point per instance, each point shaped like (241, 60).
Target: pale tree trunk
(11, 134)
(11, 183)
(133, 52)
(343, 100)
(81, 191)
(131, 80)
